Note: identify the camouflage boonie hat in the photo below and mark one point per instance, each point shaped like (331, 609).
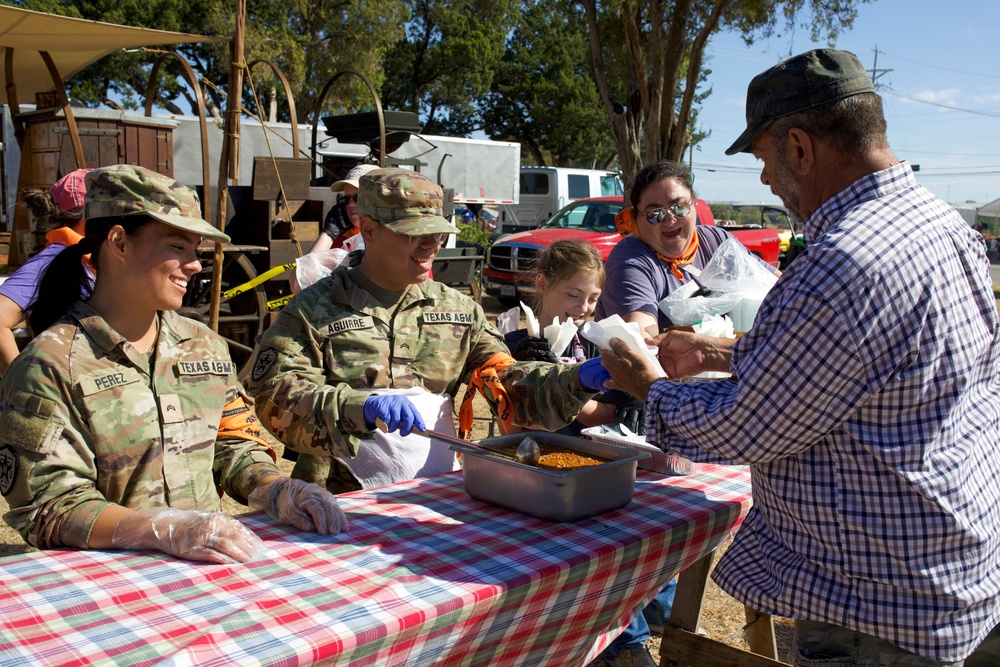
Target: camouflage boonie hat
(811, 79)
(124, 189)
(405, 201)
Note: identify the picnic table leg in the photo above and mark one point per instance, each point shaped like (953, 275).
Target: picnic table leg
(690, 595)
(760, 633)
(681, 646)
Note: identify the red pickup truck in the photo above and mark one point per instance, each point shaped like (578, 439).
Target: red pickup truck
(509, 270)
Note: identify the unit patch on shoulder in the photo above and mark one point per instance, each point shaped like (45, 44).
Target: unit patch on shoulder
(431, 317)
(263, 364)
(8, 469)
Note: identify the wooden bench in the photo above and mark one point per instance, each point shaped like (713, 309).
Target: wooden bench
(460, 268)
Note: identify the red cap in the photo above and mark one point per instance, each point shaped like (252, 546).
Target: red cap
(69, 190)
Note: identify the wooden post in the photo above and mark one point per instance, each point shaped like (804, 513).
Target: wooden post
(229, 161)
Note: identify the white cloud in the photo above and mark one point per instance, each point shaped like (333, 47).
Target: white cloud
(946, 96)
(986, 99)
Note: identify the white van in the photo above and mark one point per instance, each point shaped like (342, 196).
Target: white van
(545, 190)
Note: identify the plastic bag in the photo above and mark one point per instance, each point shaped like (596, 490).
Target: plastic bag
(314, 266)
(738, 282)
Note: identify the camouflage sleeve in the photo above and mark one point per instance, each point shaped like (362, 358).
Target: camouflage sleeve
(48, 472)
(544, 396)
(294, 403)
(240, 463)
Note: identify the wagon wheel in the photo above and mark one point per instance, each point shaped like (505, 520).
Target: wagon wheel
(240, 317)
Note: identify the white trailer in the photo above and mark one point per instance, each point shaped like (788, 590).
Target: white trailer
(478, 171)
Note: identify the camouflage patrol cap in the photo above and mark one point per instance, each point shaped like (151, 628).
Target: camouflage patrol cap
(812, 79)
(405, 201)
(123, 190)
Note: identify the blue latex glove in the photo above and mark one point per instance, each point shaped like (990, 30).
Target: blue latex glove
(593, 375)
(398, 413)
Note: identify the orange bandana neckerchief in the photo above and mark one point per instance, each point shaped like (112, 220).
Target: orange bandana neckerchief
(67, 237)
(485, 379)
(626, 224)
(63, 236)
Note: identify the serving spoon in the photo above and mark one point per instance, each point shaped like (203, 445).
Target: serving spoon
(527, 452)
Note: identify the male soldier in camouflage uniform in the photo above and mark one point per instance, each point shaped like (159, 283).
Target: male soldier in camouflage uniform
(95, 425)
(384, 325)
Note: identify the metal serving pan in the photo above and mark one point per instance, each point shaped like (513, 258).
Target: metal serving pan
(553, 495)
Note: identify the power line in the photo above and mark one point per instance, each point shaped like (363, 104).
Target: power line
(947, 69)
(994, 114)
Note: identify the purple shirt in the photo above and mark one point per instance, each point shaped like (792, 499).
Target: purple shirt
(637, 280)
(21, 286)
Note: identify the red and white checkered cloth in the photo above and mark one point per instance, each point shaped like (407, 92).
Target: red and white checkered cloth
(426, 575)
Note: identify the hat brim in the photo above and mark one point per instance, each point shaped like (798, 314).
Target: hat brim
(340, 185)
(194, 225)
(742, 144)
(421, 226)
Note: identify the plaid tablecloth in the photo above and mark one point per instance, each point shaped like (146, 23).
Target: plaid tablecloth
(425, 576)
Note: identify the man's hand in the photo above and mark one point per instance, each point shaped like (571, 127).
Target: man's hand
(593, 374)
(683, 354)
(630, 371)
(398, 413)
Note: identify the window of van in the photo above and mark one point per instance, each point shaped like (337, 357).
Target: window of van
(611, 186)
(579, 186)
(534, 184)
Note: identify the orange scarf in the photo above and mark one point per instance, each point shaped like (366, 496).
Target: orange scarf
(486, 380)
(626, 224)
(67, 237)
(63, 236)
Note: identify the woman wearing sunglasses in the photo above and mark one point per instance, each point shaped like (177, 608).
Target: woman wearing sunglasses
(662, 235)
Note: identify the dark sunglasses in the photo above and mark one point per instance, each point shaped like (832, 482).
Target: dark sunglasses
(348, 198)
(657, 215)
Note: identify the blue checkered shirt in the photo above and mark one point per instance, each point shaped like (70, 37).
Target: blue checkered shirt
(867, 405)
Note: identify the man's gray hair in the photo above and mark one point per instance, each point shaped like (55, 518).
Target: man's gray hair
(854, 124)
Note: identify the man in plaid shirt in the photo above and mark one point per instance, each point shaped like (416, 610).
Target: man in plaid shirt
(868, 394)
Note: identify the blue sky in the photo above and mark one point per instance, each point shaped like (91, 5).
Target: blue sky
(942, 54)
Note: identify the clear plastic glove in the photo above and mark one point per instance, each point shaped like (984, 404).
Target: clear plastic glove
(632, 415)
(593, 375)
(398, 413)
(208, 536)
(534, 348)
(300, 504)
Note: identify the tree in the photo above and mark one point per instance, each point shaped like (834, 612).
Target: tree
(649, 59)
(543, 94)
(309, 40)
(446, 61)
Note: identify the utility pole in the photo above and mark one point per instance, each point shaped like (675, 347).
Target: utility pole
(875, 72)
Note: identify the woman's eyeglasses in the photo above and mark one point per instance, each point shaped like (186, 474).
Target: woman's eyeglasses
(679, 210)
(345, 199)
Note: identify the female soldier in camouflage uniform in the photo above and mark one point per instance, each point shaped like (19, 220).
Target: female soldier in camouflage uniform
(121, 423)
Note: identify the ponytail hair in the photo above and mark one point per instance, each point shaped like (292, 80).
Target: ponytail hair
(66, 280)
